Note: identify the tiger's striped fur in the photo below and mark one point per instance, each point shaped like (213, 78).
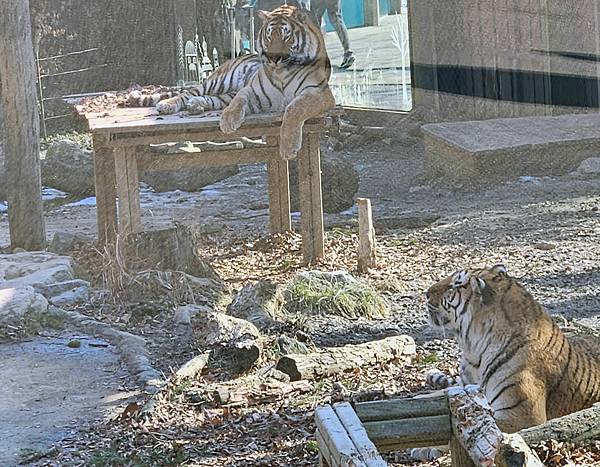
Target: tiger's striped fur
(215, 93)
(289, 74)
(529, 371)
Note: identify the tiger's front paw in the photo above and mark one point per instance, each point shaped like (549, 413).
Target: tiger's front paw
(290, 144)
(232, 117)
(167, 107)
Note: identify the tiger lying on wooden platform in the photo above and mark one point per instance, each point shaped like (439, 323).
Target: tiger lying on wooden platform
(289, 73)
(529, 371)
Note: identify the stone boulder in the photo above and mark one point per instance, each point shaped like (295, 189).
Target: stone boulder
(589, 166)
(35, 269)
(187, 179)
(238, 339)
(260, 303)
(339, 180)
(69, 167)
(19, 303)
(64, 243)
(67, 293)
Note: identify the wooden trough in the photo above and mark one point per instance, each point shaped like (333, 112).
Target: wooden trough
(459, 417)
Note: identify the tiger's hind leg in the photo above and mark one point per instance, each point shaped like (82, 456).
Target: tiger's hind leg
(200, 104)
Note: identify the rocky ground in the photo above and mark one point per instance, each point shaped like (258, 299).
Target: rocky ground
(545, 230)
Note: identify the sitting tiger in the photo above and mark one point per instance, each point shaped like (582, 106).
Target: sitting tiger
(289, 73)
(529, 371)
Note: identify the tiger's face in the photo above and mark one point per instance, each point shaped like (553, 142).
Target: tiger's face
(287, 36)
(461, 293)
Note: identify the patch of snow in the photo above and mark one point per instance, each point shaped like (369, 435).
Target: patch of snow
(51, 193)
(351, 211)
(90, 201)
(529, 179)
(3, 207)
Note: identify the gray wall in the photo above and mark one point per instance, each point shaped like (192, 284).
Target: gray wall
(478, 59)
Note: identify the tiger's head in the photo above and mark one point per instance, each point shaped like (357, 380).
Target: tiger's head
(464, 292)
(289, 35)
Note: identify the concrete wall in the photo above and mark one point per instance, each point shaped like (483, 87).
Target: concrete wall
(478, 59)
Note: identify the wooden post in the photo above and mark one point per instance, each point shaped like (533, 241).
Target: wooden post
(279, 193)
(311, 202)
(22, 127)
(106, 191)
(128, 191)
(371, 12)
(366, 236)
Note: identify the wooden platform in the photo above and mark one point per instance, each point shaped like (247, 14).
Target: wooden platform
(125, 141)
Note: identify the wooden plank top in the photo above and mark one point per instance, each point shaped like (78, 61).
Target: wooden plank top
(136, 119)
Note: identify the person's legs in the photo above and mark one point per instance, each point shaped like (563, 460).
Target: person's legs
(334, 11)
(318, 8)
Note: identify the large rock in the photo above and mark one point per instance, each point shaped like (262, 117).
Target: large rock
(239, 338)
(35, 269)
(260, 303)
(69, 167)
(187, 179)
(18, 303)
(64, 243)
(339, 180)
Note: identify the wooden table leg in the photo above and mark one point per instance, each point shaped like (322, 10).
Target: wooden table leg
(105, 185)
(128, 191)
(311, 202)
(279, 195)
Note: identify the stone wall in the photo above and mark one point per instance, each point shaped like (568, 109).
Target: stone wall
(477, 59)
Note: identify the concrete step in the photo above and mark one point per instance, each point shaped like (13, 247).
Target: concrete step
(480, 152)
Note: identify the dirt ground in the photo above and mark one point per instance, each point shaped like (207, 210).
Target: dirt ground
(545, 230)
(50, 390)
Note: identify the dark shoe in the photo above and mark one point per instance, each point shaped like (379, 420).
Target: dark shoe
(348, 60)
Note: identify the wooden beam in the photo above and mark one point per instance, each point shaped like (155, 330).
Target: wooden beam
(580, 426)
(397, 409)
(149, 161)
(22, 127)
(106, 190)
(311, 201)
(367, 450)
(366, 236)
(336, 360)
(394, 435)
(128, 191)
(474, 427)
(338, 445)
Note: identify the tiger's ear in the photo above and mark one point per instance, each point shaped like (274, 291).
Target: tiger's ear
(263, 15)
(499, 268)
(460, 279)
(480, 288)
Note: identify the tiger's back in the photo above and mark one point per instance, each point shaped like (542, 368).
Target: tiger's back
(528, 369)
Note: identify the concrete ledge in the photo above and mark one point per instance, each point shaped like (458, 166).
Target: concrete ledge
(477, 152)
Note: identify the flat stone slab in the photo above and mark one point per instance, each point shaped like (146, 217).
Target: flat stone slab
(505, 148)
(49, 390)
(35, 269)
